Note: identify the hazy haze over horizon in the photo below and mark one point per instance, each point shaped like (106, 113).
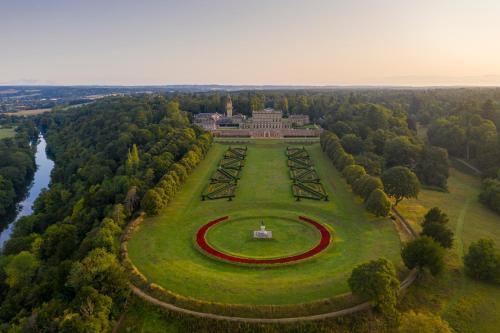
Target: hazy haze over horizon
(373, 42)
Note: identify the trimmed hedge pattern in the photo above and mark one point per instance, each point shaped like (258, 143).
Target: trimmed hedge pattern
(306, 183)
(224, 180)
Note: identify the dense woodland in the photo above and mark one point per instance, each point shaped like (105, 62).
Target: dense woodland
(463, 122)
(17, 164)
(119, 156)
(59, 271)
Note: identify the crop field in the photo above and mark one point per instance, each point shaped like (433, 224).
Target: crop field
(164, 250)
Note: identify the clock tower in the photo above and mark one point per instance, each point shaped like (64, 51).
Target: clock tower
(229, 107)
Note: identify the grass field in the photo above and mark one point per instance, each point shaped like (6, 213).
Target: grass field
(291, 236)
(7, 133)
(164, 251)
(32, 112)
(469, 306)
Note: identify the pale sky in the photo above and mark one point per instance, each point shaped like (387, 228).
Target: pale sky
(313, 42)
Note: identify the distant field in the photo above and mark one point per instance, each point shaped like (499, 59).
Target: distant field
(8, 91)
(28, 112)
(7, 132)
(470, 306)
(164, 251)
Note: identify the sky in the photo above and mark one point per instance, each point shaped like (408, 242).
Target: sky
(274, 42)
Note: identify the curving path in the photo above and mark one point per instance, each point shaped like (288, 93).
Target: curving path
(407, 282)
(347, 311)
(203, 244)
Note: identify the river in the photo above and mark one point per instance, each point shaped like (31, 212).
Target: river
(41, 180)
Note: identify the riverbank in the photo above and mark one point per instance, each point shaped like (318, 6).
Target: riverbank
(41, 180)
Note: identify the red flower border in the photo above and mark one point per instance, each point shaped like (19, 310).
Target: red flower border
(202, 243)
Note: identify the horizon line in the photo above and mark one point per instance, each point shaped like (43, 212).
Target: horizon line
(252, 85)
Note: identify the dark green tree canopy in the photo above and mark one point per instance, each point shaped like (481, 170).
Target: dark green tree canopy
(482, 261)
(400, 182)
(352, 144)
(439, 232)
(424, 252)
(378, 203)
(401, 151)
(433, 167)
(376, 281)
(435, 215)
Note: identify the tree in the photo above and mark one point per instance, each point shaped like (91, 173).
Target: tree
(152, 202)
(21, 269)
(7, 195)
(131, 199)
(439, 232)
(352, 144)
(433, 167)
(490, 195)
(446, 134)
(283, 105)
(423, 322)
(400, 151)
(376, 281)
(341, 128)
(366, 184)
(424, 252)
(353, 172)
(379, 139)
(371, 162)
(101, 271)
(342, 160)
(482, 261)
(181, 171)
(378, 203)
(377, 117)
(257, 102)
(59, 241)
(107, 236)
(435, 215)
(91, 313)
(400, 182)
(133, 158)
(435, 226)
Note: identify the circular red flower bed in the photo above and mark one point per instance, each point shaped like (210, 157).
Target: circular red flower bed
(202, 243)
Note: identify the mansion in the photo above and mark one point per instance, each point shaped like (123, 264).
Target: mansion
(263, 123)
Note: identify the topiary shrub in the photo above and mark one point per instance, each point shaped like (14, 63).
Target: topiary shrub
(342, 160)
(152, 202)
(353, 173)
(352, 144)
(365, 185)
(378, 203)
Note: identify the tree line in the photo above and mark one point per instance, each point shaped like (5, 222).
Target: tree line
(17, 164)
(60, 271)
(460, 122)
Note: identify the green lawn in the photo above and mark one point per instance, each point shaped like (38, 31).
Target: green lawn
(469, 306)
(7, 132)
(164, 251)
(290, 237)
